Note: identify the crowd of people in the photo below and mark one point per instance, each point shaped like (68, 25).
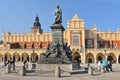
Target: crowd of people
(12, 63)
(9, 62)
(105, 65)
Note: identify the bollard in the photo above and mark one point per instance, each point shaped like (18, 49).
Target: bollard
(90, 71)
(23, 71)
(33, 65)
(57, 71)
(13, 66)
(8, 68)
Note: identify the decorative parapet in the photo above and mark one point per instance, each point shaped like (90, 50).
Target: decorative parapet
(3, 49)
(103, 49)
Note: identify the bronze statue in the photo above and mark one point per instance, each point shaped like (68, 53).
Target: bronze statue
(58, 15)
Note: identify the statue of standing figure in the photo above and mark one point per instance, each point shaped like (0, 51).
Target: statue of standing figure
(58, 15)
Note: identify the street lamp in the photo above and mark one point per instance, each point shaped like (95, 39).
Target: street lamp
(33, 56)
(105, 53)
(33, 64)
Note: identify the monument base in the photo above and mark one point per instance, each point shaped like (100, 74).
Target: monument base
(69, 68)
(51, 67)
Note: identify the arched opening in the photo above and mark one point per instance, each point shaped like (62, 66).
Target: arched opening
(89, 58)
(7, 57)
(16, 57)
(76, 57)
(100, 57)
(119, 59)
(34, 57)
(1, 57)
(25, 57)
(111, 57)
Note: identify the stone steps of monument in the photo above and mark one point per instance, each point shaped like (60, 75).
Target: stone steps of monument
(77, 71)
(30, 71)
(43, 72)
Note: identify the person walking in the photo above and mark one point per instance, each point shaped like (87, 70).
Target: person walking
(105, 64)
(110, 66)
(99, 66)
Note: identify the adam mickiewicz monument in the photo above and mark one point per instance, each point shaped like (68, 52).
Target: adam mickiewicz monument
(57, 51)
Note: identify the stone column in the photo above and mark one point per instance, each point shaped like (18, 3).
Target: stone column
(95, 60)
(38, 57)
(117, 60)
(29, 58)
(21, 58)
(83, 57)
(12, 58)
(57, 71)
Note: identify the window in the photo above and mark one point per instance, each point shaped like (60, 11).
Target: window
(89, 43)
(75, 40)
(106, 45)
(98, 44)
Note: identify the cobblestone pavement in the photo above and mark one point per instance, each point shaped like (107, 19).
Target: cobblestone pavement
(50, 76)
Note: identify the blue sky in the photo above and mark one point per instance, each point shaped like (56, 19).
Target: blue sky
(18, 15)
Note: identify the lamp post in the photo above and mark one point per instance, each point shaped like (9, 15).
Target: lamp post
(33, 55)
(105, 53)
(33, 64)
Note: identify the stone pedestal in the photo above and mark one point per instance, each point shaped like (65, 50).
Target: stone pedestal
(57, 52)
(52, 67)
(57, 71)
(57, 33)
(23, 71)
(90, 71)
(8, 69)
(33, 65)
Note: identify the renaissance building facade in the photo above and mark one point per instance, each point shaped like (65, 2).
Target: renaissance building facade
(87, 45)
